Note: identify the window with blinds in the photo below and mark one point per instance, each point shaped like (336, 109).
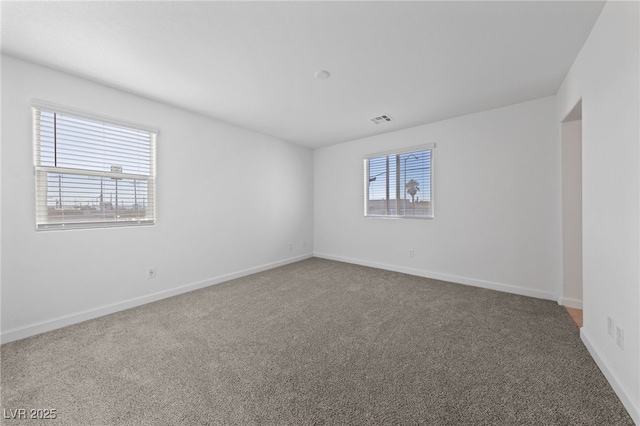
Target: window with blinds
(91, 172)
(399, 184)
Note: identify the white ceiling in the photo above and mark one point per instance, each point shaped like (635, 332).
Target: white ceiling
(253, 63)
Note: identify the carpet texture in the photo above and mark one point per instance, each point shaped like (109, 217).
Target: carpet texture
(317, 342)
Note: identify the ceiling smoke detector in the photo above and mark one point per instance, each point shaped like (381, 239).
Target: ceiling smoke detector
(381, 119)
(322, 74)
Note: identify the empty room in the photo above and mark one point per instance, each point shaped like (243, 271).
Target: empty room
(293, 213)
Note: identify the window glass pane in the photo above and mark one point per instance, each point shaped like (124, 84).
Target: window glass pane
(84, 198)
(381, 171)
(416, 183)
(67, 141)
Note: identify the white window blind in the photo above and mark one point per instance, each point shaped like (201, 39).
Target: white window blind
(91, 172)
(399, 184)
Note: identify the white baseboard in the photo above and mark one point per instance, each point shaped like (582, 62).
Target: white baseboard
(623, 394)
(445, 277)
(570, 303)
(55, 323)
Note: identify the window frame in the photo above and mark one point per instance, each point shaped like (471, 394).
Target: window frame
(41, 171)
(399, 152)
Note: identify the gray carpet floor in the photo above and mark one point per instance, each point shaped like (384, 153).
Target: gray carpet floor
(317, 342)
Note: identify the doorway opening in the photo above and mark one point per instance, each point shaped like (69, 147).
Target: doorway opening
(571, 163)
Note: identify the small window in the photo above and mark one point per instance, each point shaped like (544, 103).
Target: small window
(91, 172)
(399, 184)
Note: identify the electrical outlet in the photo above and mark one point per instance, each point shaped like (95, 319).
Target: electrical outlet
(151, 272)
(610, 326)
(620, 337)
(290, 246)
(410, 252)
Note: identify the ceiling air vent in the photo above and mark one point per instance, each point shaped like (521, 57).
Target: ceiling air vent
(381, 119)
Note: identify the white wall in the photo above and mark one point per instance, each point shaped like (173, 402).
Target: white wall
(496, 200)
(606, 76)
(253, 192)
(571, 148)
